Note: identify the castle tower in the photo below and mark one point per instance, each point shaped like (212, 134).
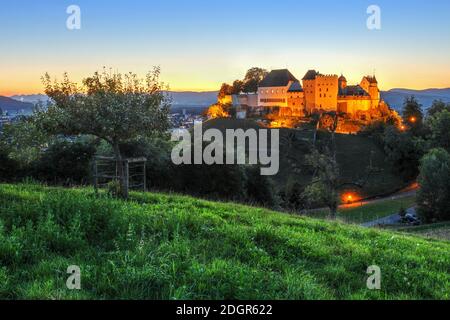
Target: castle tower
(342, 82)
(370, 85)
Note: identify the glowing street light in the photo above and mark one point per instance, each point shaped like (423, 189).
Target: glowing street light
(349, 198)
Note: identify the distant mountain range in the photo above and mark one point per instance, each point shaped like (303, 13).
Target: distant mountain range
(13, 106)
(179, 97)
(393, 97)
(396, 97)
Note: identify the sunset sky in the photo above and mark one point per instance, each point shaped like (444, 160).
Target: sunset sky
(200, 44)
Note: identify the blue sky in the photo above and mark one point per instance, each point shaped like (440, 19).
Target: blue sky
(200, 44)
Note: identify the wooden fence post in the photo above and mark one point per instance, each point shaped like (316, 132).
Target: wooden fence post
(145, 176)
(127, 178)
(95, 176)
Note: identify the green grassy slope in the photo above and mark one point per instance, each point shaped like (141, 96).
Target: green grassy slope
(434, 231)
(354, 155)
(173, 247)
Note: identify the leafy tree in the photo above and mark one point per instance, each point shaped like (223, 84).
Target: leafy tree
(225, 90)
(237, 87)
(324, 186)
(439, 125)
(412, 113)
(437, 107)
(403, 152)
(218, 111)
(252, 79)
(23, 140)
(114, 107)
(433, 197)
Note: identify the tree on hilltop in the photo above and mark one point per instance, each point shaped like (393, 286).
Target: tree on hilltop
(113, 107)
(252, 79)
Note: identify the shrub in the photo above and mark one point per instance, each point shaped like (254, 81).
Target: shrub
(9, 168)
(433, 198)
(260, 189)
(65, 162)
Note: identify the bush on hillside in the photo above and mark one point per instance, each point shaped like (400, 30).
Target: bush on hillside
(9, 168)
(65, 162)
(433, 198)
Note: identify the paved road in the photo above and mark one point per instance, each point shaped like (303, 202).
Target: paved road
(402, 194)
(388, 221)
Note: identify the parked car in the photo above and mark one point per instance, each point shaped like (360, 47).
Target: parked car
(411, 218)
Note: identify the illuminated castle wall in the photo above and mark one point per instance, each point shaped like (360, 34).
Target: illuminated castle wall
(319, 93)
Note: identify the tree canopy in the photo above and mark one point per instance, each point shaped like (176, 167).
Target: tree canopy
(114, 107)
(412, 113)
(433, 198)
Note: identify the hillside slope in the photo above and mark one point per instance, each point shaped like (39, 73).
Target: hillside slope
(348, 147)
(173, 247)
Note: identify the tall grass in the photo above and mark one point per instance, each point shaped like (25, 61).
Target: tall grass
(172, 247)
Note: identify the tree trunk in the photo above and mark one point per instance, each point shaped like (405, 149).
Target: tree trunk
(315, 132)
(121, 173)
(333, 212)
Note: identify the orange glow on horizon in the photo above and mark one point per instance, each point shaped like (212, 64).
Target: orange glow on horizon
(21, 80)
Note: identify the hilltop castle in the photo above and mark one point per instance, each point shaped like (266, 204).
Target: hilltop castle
(317, 93)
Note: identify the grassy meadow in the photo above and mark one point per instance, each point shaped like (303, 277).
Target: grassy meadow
(159, 246)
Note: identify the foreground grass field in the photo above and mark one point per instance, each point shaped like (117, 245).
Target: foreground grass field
(440, 231)
(172, 247)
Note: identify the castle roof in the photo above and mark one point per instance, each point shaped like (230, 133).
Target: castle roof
(342, 78)
(371, 79)
(295, 87)
(277, 78)
(310, 75)
(353, 91)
